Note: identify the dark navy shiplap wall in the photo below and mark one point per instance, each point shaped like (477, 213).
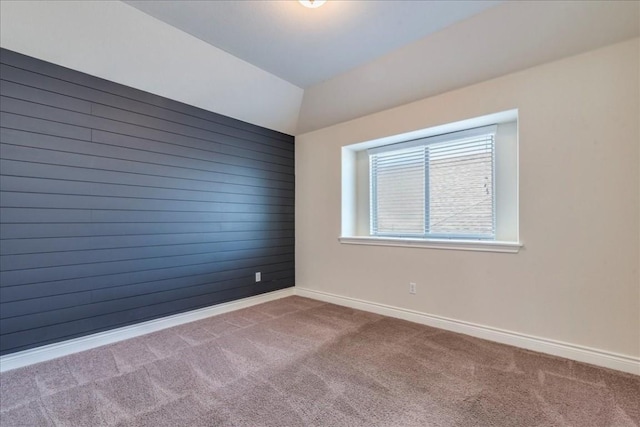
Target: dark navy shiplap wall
(119, 206)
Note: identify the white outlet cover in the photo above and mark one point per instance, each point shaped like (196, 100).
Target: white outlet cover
(258, 276)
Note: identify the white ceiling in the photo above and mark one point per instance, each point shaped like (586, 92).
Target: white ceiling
(513, 36)
(364, 56)
(308, 46)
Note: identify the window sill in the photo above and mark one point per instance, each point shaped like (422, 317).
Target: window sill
(460, 245)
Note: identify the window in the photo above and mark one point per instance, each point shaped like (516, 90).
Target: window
(436, 187)
(449, 186)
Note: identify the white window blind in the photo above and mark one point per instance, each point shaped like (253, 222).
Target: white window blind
(439, 187)
(398, 192)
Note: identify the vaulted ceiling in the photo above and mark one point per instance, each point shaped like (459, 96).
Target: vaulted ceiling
(307, 46)
(357, 57)
(279, 65)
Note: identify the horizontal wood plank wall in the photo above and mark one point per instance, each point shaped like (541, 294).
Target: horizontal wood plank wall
(119, 206)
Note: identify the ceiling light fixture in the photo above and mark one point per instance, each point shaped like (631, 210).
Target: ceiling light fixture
(312, 4)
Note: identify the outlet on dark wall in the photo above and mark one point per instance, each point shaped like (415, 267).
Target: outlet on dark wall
(119, 206)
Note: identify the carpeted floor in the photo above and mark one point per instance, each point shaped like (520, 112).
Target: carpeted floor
(299, 362)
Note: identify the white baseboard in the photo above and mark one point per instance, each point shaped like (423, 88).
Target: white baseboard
(570, 351)
(53, 351)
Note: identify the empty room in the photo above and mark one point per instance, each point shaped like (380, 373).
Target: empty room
(320, 213)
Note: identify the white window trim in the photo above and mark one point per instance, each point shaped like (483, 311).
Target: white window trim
(451, 244)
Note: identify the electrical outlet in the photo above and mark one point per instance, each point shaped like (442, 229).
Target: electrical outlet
(258, 276)
(412, 288)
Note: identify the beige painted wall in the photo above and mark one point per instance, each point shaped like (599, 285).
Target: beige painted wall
(576, 280)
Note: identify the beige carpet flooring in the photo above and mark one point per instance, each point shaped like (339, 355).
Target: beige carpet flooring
(299, 362)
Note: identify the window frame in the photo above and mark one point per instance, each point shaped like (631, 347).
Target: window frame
(354, 183)
(487, 131)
